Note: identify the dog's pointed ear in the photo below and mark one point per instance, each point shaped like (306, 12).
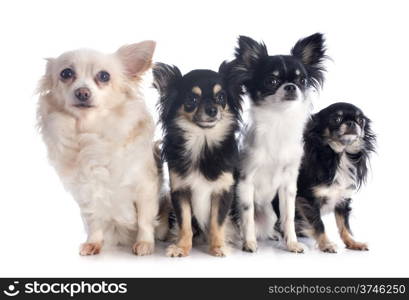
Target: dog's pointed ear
(137, 58)
(225, 70)
(249, 52)
(165, 78)
(232, 86)
(310, 50)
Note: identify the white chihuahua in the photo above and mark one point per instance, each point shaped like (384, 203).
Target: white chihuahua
(99, 136)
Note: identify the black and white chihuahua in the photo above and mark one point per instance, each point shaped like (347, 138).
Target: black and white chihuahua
(200, 115)
(280, 88)
(338, 143)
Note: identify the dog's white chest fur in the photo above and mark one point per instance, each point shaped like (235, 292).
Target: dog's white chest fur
(101, 166)
(196, 138)
(342, 187)
(273, 149)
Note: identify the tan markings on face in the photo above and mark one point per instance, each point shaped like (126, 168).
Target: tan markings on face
(216, 88)
(343, 128)
(188, 115)
(196, 90)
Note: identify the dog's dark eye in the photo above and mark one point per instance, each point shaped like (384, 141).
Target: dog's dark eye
(67, 73)
(191, 103)
(272, 82)
(103, 76)
(361, 121)
(221, 98)
(303, 81)
(337, 119)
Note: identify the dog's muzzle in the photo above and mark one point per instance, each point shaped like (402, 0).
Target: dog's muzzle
(83, 96)
(290, 92)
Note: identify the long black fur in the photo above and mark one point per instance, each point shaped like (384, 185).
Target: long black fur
(320, 164)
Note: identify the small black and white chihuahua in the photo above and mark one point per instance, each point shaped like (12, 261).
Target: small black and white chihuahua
(338, 143)
(280, 88)
(200, 114)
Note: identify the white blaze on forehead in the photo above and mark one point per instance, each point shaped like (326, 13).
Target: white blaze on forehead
(216, 88)
(276, 73)
(297, 72)
(197, 90)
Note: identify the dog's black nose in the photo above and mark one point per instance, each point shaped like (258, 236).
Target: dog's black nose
(350, 124)
(211, 110)
(290, 88)
(83, 94)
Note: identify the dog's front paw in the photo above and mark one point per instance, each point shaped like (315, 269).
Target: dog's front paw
(357, 246)
(176, 251)
(328, 247)
(143, 248)
(90, 249)
(295, 247)
(250, 246)
(218, 251)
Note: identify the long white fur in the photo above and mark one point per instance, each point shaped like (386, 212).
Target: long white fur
(270, 161)
(104, 155)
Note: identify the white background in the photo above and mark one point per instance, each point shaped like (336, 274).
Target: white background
(40, 225)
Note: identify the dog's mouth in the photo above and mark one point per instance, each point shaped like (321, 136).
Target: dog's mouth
(205, 121)
(348, 138)
(206, 124)
(290, 96)
(83, 105)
